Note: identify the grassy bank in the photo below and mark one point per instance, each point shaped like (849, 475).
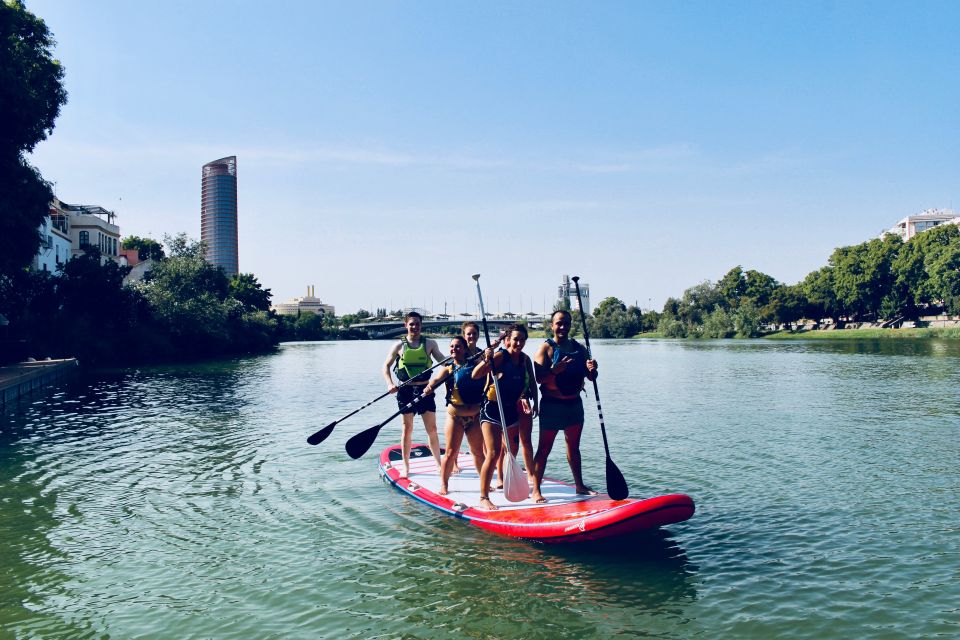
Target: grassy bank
(868, 334)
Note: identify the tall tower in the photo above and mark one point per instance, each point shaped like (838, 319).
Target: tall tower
(218, 214)
(566, 291)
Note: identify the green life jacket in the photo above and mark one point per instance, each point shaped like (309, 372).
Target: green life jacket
(412, 362)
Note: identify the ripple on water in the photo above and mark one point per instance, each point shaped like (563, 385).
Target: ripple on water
(183, 502)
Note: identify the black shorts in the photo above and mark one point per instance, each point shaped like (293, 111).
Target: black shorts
(557, 414)
(406, 395)
(491, 413)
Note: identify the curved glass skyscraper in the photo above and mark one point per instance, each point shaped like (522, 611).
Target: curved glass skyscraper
(218, 214)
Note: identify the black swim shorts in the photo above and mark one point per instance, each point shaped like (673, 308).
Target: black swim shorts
(557, 414)
(405, 396)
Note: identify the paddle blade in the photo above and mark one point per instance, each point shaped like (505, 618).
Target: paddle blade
(616, 484)
(359, 444)
(515, 485)
(321, 435)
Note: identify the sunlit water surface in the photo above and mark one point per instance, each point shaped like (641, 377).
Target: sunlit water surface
(184, 503)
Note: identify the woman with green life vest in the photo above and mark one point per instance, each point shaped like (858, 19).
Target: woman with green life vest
(410, 358)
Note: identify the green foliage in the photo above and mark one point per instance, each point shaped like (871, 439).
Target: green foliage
(612, 319)
(245, 288)
(671, 327)
(310, 326)
(822, 300)
(31, 79)
(719, 324)
(147, 248)
(863, 277)
(31, 94)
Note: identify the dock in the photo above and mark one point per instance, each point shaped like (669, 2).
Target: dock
(24, 378)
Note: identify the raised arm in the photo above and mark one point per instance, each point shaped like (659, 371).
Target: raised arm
(483, 367)
(435, 381)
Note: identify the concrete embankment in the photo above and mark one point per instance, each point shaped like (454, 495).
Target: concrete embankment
(24, 378)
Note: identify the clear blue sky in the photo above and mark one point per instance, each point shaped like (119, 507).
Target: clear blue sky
(388, 150)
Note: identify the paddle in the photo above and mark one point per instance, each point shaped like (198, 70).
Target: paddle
(360, 443)
(515, 485)
(616, 484)
(324, 433)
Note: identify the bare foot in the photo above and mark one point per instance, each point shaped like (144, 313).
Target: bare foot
(584, 490)
(538, 497)
(486, 505)
(456, 469)
(406, 471)
(499, 486)
(443, 490)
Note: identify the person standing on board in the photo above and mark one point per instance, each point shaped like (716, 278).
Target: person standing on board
(410, 358)
(562, 365)
(514, 371)
(470, 331)
(464, 397)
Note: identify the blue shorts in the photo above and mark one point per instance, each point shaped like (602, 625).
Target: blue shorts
(491, 413)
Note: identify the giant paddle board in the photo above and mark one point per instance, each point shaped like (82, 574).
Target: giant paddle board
(565, 517)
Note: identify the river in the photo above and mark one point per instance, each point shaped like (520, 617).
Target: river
(184, 502)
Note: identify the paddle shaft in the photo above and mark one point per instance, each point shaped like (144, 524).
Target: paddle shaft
(586, 338)
(322, 434)
(616, 484)
(360, 443)
(493, 369)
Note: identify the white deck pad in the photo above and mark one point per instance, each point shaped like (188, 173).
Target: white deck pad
(465, 486)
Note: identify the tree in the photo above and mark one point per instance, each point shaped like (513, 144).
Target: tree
(188, 298)
(942, 265)
(31, 94)
(758, 287)
(147, 248)
(309, 326)
(787, 305)
(863, 276)
(611, 319)
(697, 303)
(245, 288)
(731, 288)
(821, 298)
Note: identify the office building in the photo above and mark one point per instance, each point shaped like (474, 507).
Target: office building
(218, 214)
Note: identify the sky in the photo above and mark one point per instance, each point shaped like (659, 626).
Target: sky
(386, 151)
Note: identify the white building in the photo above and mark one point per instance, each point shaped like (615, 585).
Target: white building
(55, 244)
(928, 219)
(71, 228)
(308, 302)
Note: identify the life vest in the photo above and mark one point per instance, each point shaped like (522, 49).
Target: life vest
(513, 380)
(411, 362)
(465, 390)
(570, 382)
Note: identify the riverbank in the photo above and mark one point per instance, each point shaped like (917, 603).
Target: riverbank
(18, 380)
(868, 334)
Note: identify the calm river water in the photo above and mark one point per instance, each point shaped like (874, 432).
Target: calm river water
(185, 503)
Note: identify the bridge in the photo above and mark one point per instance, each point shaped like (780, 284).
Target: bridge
(392, 327)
